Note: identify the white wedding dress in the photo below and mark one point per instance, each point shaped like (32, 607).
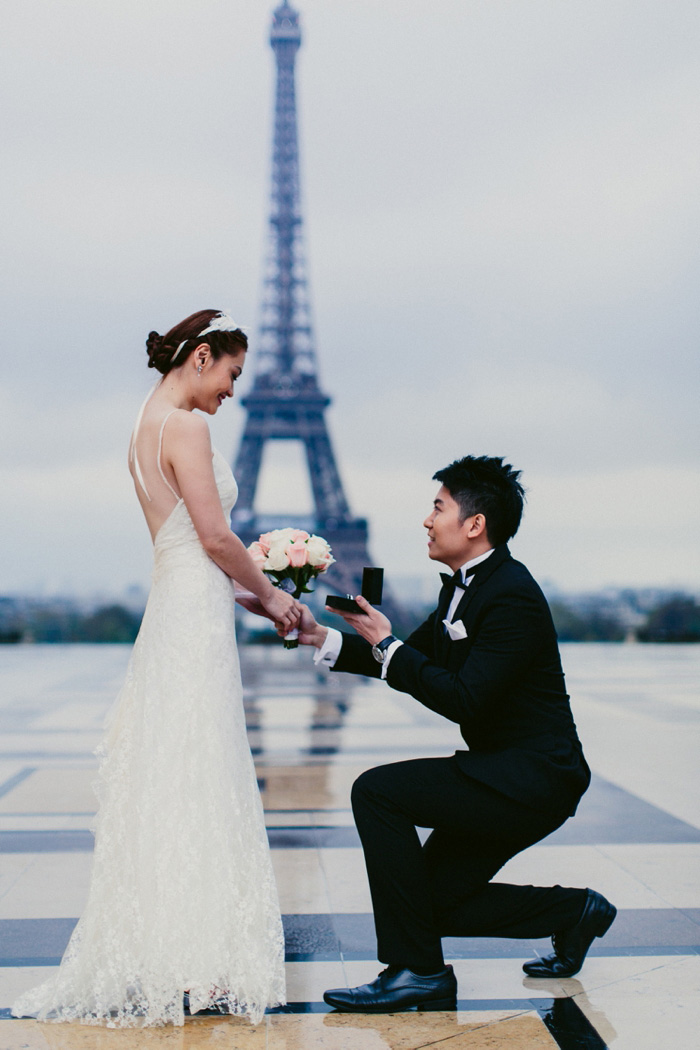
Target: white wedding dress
(182, 896)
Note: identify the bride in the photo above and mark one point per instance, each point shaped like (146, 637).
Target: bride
(182, 899)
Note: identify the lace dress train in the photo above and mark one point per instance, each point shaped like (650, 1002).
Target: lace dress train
(182, 895)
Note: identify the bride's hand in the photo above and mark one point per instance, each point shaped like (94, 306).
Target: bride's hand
(282, 608)
(253, 605)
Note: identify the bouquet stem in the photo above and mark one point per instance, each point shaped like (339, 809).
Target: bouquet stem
(291, 640)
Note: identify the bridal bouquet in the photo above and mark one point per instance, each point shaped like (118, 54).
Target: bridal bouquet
(291, 558)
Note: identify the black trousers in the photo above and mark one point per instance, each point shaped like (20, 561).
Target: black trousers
(421, 893)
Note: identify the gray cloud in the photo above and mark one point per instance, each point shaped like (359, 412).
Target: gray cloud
(502, 224)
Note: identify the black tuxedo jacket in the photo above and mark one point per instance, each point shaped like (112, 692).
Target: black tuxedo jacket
(503, 685)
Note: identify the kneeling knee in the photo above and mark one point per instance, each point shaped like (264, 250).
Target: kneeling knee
(367, 787)
(362, 787)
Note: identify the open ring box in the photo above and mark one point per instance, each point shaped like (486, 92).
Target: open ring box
(372, 584)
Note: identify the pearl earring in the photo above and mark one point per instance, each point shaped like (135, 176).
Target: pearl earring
(199, 370)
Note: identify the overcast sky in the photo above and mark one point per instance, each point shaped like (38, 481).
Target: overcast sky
(501, 211)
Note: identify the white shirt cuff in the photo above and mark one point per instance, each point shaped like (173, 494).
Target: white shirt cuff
(389, 653)
(330, 650)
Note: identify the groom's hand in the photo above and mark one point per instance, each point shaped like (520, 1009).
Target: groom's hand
(371, 624)
(310, 632)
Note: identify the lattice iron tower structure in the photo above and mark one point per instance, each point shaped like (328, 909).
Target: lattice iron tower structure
(286, 402)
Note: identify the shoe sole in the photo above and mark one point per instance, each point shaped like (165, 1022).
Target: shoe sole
(439, 1004)
(604, 925)
(429, 1005)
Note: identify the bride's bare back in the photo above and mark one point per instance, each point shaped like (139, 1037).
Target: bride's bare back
(157, 492)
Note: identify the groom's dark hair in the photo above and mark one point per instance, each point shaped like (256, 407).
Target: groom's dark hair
(486, 485)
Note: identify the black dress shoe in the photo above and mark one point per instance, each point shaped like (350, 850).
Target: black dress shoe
(570, 946)
(396, 991)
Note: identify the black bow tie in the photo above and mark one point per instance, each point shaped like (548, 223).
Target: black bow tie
(458, 579)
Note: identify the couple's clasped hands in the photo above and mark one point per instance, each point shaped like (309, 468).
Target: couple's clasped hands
(279, 607)
(287, 613)
(371, 624)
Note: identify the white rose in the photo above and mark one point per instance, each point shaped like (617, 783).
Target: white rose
(277, 558)
(319, 552)
(282, 536)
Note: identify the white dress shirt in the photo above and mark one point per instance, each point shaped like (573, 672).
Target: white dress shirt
(330, 650)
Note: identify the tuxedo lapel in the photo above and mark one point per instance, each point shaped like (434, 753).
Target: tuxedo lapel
(443, 605)
(444, 599)
(483, 571)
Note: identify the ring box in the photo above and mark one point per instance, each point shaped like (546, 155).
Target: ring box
(372, 585)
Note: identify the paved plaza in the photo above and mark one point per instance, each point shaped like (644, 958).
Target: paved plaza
(636, 838)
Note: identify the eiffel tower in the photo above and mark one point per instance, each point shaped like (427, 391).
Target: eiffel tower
(286, 402)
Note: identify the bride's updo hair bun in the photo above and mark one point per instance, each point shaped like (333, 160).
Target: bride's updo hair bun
(170, 351)
(158, 356)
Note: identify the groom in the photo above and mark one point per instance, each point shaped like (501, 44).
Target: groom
(487, 659)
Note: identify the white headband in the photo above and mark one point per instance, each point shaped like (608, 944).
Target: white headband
(221, 323)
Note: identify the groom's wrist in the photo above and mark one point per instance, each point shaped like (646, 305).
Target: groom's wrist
(319, 636)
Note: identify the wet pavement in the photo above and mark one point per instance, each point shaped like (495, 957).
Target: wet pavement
(636, 839)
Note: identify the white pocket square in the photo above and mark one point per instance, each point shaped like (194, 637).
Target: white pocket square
(456, 630)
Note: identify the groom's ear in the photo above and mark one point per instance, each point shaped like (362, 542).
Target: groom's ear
(476, 526)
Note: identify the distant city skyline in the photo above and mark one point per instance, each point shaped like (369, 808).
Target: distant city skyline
(501, 217)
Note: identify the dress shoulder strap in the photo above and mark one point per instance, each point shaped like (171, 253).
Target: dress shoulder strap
(160, 449)
(132, 451)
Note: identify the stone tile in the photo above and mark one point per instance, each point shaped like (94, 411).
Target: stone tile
(346, 880)
(16, 980)
(671, 976)
(314, 838)
(356, 937)
(311, 935)
(307, 981)
(231, 1033)
(378, 709)
(645, 1011)
(449, 1031)
(48, 822)
(625, 1024)
(53, 886)
(581, 866)
(285, 711)
(389, 739)
(31, 942)
(340, 818)
(497, 979)
(608, 813)
(300, 881)
(12, 869)
(637, 711)
(671, 871)
(12, 773)
(601, 972)
(64, 790)
(277, 819)
(315, 787)
(642, 750)
(658, 928)
(36, 748)
(78, 715)
(78, 841)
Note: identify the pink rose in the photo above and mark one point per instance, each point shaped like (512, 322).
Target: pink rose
(265, 542)
(298, 534)
(297, 553)
(258, 554)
